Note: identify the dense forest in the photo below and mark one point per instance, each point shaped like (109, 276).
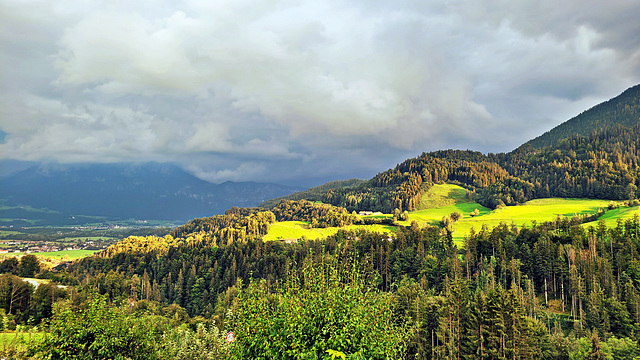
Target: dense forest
(554, 290)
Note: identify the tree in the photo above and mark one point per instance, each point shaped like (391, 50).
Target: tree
(29, 266)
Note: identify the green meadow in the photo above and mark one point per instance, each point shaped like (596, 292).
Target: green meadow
(611, 216)
(59, 255)
(18, 341)
(288, 230)
(443, 199)
(539, 210)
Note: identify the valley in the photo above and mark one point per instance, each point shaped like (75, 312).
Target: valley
(529, 254)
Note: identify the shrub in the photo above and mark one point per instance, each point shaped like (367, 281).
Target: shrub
(326, 310)
(98, 331)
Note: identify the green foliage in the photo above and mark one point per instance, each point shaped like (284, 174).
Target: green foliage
(336, 354)
(142, 244)
(29, 266)
(205, 343)
(327, 307)
(98, 331)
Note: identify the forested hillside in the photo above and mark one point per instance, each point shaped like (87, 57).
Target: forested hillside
(552, 291)
(593, 155)
(622, 110)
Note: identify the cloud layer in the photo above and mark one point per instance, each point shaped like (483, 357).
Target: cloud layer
(300, 90)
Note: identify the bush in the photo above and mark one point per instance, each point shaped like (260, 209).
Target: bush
(325, 311)
(205, 343)
(98, 331)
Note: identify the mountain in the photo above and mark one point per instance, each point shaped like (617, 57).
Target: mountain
(313, 192)
(623, 110)
(593, 155)
(121, 191)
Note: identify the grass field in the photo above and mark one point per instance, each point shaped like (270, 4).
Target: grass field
(444, 199)
(59, 255)
(611, 217)
(299, 229)
(539, 210)
(442, 195)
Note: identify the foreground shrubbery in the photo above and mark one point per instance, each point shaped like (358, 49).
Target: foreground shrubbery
(327, 310)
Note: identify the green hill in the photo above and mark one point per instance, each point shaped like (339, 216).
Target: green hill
(624, 110)
(590, 156)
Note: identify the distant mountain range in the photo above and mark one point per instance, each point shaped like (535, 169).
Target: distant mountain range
(591, 155)
(122, 191)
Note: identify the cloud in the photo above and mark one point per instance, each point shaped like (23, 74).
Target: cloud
(238, 173)
(301, 86)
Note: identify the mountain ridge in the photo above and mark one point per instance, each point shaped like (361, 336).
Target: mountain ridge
(623, 109)
(595, 155)
(130, 190)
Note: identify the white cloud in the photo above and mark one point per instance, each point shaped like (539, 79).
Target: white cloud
(279, 82)
(239, 173)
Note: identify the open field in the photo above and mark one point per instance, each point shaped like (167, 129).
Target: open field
(59, 255)
(611, 216)
(449, 198)
(299, 229)
(539, 210)
(441, 195)
(444, 199)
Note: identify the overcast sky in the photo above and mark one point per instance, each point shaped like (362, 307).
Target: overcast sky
(301, 92)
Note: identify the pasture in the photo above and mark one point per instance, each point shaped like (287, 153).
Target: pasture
(18, 341)
(289, 230)
(443, 199)
(60, 255)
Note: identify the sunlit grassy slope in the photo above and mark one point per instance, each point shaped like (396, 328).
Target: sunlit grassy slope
(449, 198)
(59, 255)
(611, 217)
(298, 229)
(444, 199)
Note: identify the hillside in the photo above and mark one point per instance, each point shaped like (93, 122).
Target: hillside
(140, 191)
(593, 155)
(623, 110)
(314, 192)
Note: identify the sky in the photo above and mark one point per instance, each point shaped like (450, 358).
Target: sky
(300, 92)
